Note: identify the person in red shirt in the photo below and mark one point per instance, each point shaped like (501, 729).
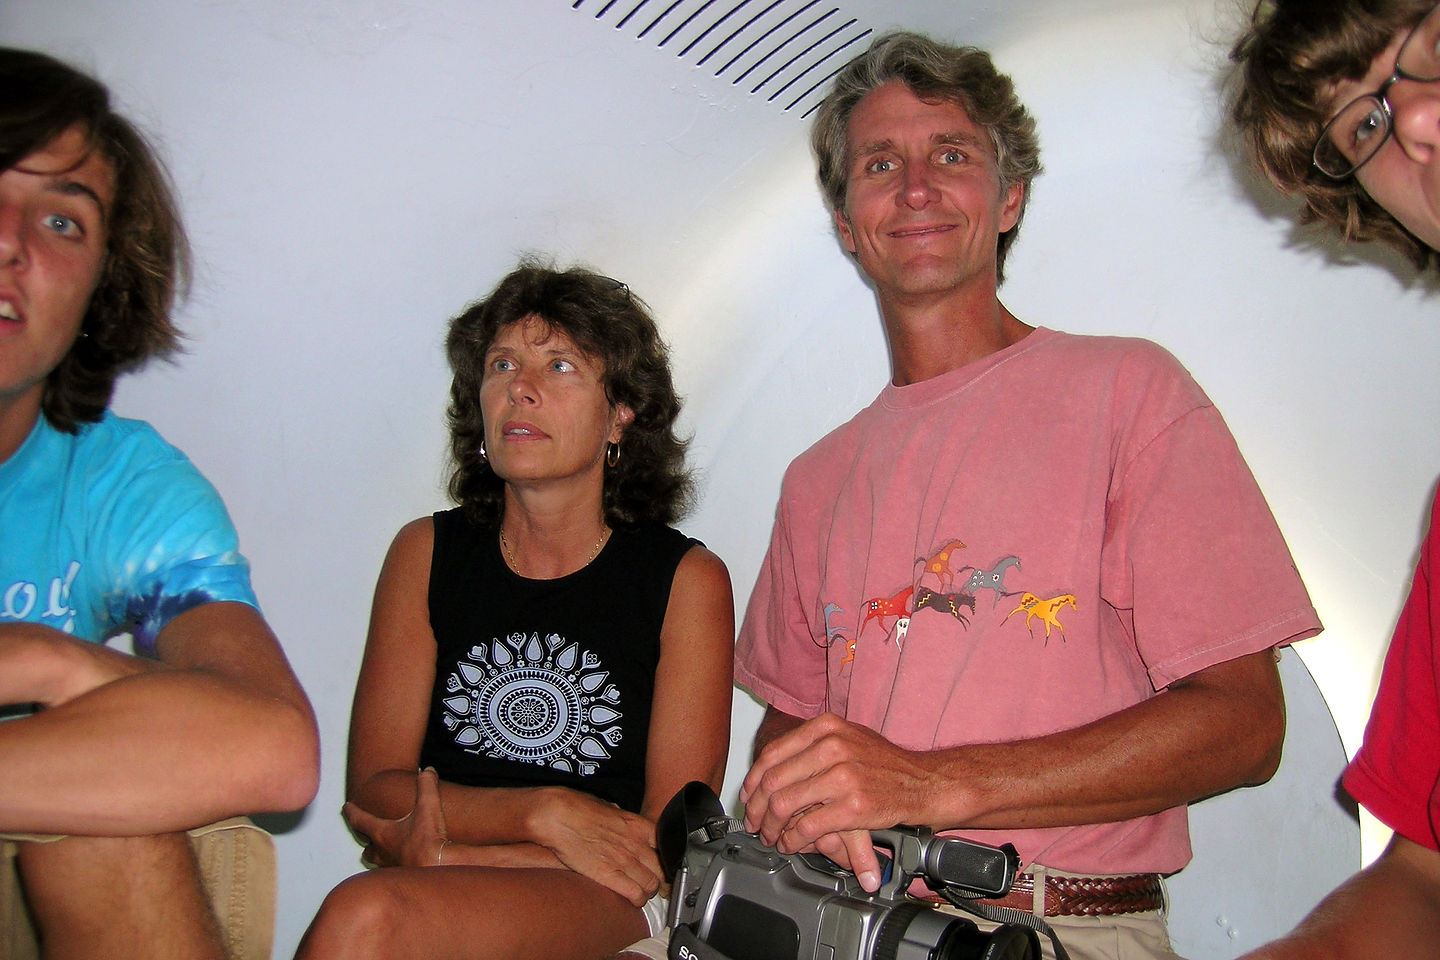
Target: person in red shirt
(1339, 103)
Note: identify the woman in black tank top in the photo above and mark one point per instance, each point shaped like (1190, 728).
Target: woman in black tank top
(551, 655)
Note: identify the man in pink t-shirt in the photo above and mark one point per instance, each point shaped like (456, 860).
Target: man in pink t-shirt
(1031, 593)
(1341, 107)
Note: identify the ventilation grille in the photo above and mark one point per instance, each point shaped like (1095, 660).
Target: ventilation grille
(782, 50)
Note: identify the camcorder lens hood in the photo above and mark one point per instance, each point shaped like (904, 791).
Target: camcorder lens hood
(691, 808)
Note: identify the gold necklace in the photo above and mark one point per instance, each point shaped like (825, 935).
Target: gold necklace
(595, 552)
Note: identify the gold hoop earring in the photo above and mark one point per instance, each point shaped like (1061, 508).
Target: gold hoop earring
(612, 454)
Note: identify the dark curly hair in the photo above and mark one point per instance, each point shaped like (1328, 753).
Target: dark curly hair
(933, 71)
(1288, 60)
(601, 316)
(146, 261)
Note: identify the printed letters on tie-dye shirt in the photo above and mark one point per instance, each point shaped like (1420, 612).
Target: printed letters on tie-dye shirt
(21, 600)
(111, 529)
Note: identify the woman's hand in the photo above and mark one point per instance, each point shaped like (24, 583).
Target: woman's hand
(600, 841)
(415, 840)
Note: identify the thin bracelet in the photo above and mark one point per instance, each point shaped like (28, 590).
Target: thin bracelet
(440, 854)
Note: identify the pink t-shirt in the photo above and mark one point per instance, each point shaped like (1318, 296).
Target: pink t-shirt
(1015, 548)
(1395, 773)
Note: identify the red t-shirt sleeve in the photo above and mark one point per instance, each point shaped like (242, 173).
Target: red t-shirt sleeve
(1395, 774)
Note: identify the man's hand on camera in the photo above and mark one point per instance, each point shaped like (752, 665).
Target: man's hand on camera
(823, 785)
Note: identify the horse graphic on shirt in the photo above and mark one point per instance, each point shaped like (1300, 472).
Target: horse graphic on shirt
(939, 564)
(950, 603)
(878, 608)
(992, 579)
(834, 632)
(1047, 610)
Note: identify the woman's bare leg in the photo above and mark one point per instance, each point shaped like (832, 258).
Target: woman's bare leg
(470, 913)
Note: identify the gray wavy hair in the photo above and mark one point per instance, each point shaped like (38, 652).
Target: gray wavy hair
(965, 76)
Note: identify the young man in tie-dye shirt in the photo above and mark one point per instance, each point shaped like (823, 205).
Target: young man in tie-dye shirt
(109, 758)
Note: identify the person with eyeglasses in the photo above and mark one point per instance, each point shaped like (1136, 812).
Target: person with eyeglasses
(1339, 104)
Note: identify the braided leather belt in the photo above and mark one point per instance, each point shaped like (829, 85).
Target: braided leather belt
(1086, 896)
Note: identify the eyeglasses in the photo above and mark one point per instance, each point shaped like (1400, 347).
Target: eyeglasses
(1355, 134)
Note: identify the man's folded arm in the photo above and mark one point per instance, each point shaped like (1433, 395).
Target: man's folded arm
(123, 746)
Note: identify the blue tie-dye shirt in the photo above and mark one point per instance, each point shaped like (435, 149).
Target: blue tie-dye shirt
(110, 530)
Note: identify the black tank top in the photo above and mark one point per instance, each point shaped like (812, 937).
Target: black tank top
(546, 682)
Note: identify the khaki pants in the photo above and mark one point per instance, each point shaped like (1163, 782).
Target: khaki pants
(237, 865)
(1129, 936)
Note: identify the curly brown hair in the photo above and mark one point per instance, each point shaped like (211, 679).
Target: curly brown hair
(965, 76)
(602, 318)
(127, 321)
(1288, 60)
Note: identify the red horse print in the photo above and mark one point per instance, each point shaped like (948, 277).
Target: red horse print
(881, 607)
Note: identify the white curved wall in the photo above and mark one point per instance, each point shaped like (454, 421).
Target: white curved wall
(354, 172)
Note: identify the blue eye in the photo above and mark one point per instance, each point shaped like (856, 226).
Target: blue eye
(1372, 123)
(881, 166)
(63, 225)
(562, 366)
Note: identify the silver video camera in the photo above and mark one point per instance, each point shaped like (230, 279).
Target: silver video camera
(735, 898)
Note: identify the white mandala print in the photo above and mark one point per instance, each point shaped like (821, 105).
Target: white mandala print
(542, 702)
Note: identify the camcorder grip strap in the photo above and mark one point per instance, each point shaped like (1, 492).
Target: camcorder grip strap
(1009, 915)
